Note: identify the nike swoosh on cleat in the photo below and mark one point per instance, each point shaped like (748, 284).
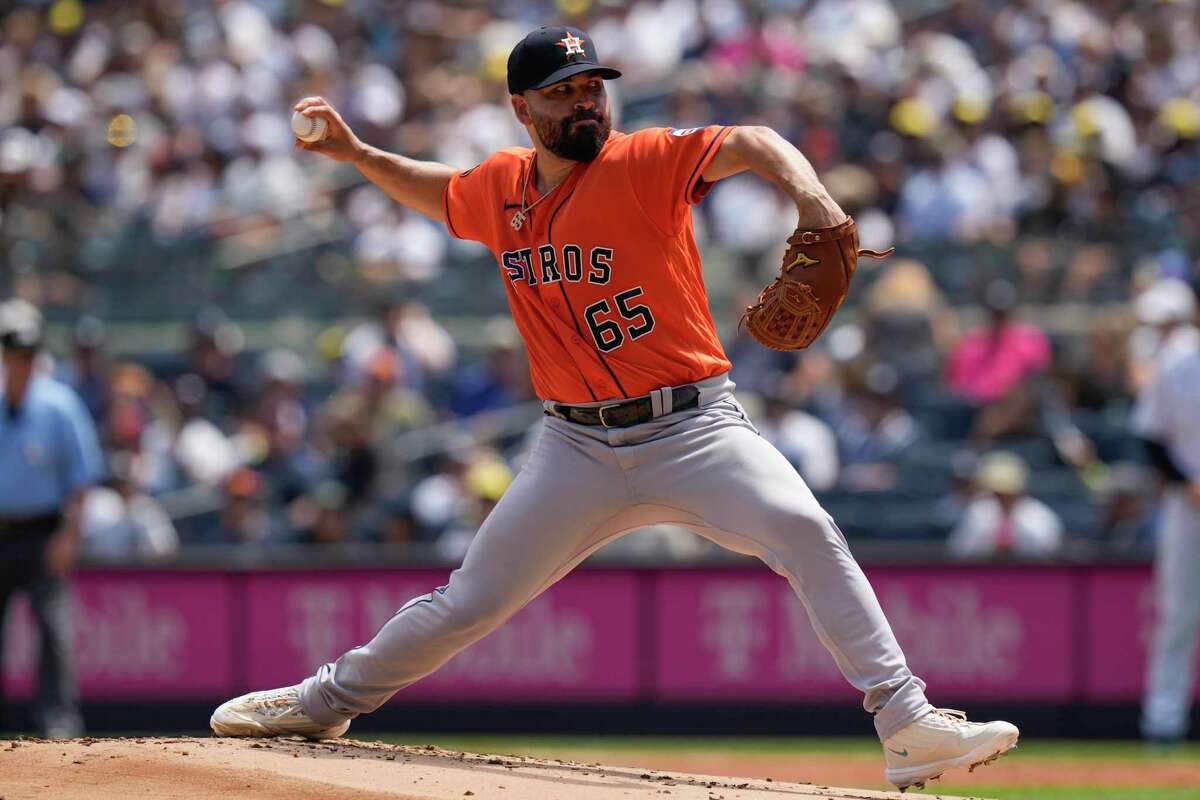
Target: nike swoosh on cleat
(901, 753)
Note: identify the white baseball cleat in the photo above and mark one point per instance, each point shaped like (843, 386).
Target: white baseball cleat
(942, 740)
(275, 712)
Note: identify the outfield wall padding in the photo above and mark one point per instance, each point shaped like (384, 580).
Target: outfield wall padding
(1072, 634)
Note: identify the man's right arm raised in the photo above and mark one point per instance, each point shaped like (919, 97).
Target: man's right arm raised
(416, 184)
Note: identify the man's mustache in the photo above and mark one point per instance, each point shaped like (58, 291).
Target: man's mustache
(586, 116)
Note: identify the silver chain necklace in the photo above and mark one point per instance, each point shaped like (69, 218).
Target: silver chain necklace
(523, 212)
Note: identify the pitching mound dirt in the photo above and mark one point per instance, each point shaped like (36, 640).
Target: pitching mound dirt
(293, 769)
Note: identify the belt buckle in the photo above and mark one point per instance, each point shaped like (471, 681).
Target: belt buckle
(600, 411)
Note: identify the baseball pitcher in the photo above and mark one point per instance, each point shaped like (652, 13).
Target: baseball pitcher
(591, 229)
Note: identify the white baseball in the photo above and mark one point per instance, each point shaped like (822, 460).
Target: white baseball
(308, 129)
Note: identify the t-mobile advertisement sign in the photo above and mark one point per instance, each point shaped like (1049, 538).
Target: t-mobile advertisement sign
(1120, 623)
(970, 633)
(1044, 634)
(136, 635)
(574, 642)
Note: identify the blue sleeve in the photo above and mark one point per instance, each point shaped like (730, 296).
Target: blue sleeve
(81, 461)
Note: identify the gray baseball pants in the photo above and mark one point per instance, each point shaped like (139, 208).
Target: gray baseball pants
(704, 468)
(1171, 668)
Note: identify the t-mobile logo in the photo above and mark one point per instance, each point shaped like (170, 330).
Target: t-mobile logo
(735, 627)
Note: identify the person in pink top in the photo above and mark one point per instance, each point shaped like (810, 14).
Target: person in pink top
(993, 366)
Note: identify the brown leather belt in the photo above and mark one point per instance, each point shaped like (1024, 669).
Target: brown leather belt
(627, 412)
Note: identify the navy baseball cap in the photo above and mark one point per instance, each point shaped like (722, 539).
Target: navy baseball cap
(552, 54)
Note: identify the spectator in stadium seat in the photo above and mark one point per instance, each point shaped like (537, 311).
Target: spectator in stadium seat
(143, 422)
(206, 455)
(1166, 315)
(484, 482)
(321, 516)
(422, 347)
(377, 408)
(945, 196)
(1002, 520)
(807, 442)
(291, 465)
(501, 381)
(416, 331)
(874, 430)
(280, 407)
(948, 510)
(1127, 515)
(215, 344)
(88, 371)
(245, 517)
(440, 499)
(344, 440)
(120, 522)
(996, 367)
(1092, 276)
(395, 523)
(907, 321)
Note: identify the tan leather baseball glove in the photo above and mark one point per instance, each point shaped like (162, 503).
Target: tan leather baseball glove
(813, 281)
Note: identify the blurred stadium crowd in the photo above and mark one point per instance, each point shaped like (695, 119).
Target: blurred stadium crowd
(1034, 162)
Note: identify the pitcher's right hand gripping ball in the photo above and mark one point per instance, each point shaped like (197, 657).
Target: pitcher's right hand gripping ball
(338, 141)
(813, 281)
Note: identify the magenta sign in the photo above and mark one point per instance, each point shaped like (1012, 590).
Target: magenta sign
(970, 633)
(1042, 634)
(574, 642)
(137, 635)
(1120, 605)
(1120, 619)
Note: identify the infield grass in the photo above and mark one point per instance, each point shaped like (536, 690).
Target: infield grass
(1055, 749)
(1070, 792)
(611, 749)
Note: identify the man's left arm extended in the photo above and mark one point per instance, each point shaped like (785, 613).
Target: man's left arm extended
(767, 154)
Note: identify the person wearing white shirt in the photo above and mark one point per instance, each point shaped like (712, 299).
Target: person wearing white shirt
(120, 522)
(1167, 418)
(1002, 519)
(807, 442)
(1165, 312)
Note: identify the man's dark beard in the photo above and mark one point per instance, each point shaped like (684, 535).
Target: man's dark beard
(576, 143)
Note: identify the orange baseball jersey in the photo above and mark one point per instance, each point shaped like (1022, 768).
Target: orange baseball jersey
(603, 278)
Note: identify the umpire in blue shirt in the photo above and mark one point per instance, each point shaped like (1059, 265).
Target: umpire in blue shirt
(49, 456)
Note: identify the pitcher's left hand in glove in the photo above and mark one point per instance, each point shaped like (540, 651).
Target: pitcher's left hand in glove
(814, 280)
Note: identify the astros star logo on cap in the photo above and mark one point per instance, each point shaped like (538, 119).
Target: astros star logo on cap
(573, 44)
(551, 54)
